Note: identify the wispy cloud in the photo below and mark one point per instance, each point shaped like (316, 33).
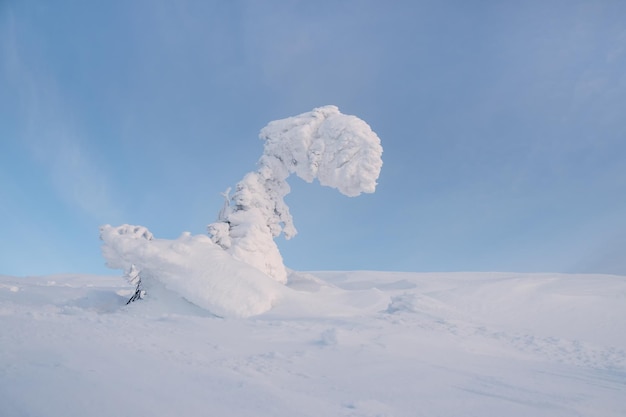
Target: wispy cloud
(73, 171)
(45, 126)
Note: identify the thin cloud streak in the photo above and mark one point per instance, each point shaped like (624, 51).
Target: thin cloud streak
(50, 135)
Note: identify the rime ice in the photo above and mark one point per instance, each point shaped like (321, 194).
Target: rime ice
(191, 266)
(338, 150)
(237, 271)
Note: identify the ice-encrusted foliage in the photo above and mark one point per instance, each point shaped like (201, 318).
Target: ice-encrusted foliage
(237, 270)
(191, 266)
(340, 151)
(133, 275)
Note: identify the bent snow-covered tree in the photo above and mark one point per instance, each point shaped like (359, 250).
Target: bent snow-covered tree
(340, 151)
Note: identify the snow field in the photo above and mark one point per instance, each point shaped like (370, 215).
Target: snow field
(334, 343)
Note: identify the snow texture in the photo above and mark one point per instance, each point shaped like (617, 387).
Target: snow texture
(339, 150)
(346, 344)
(191, 266)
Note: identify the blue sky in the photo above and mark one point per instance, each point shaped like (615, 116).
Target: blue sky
(503, 126)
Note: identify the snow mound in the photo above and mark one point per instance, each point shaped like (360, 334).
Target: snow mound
(193, 267)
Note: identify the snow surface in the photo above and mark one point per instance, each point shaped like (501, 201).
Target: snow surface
(333, 344)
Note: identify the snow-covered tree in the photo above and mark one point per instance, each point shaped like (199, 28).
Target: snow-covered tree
(340, 151)
(134, 278)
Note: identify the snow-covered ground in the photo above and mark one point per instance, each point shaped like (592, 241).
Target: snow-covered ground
(333, 344)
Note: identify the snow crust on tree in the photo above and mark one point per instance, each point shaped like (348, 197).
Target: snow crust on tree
(238, 270)
(340, 151)
(191, 266)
